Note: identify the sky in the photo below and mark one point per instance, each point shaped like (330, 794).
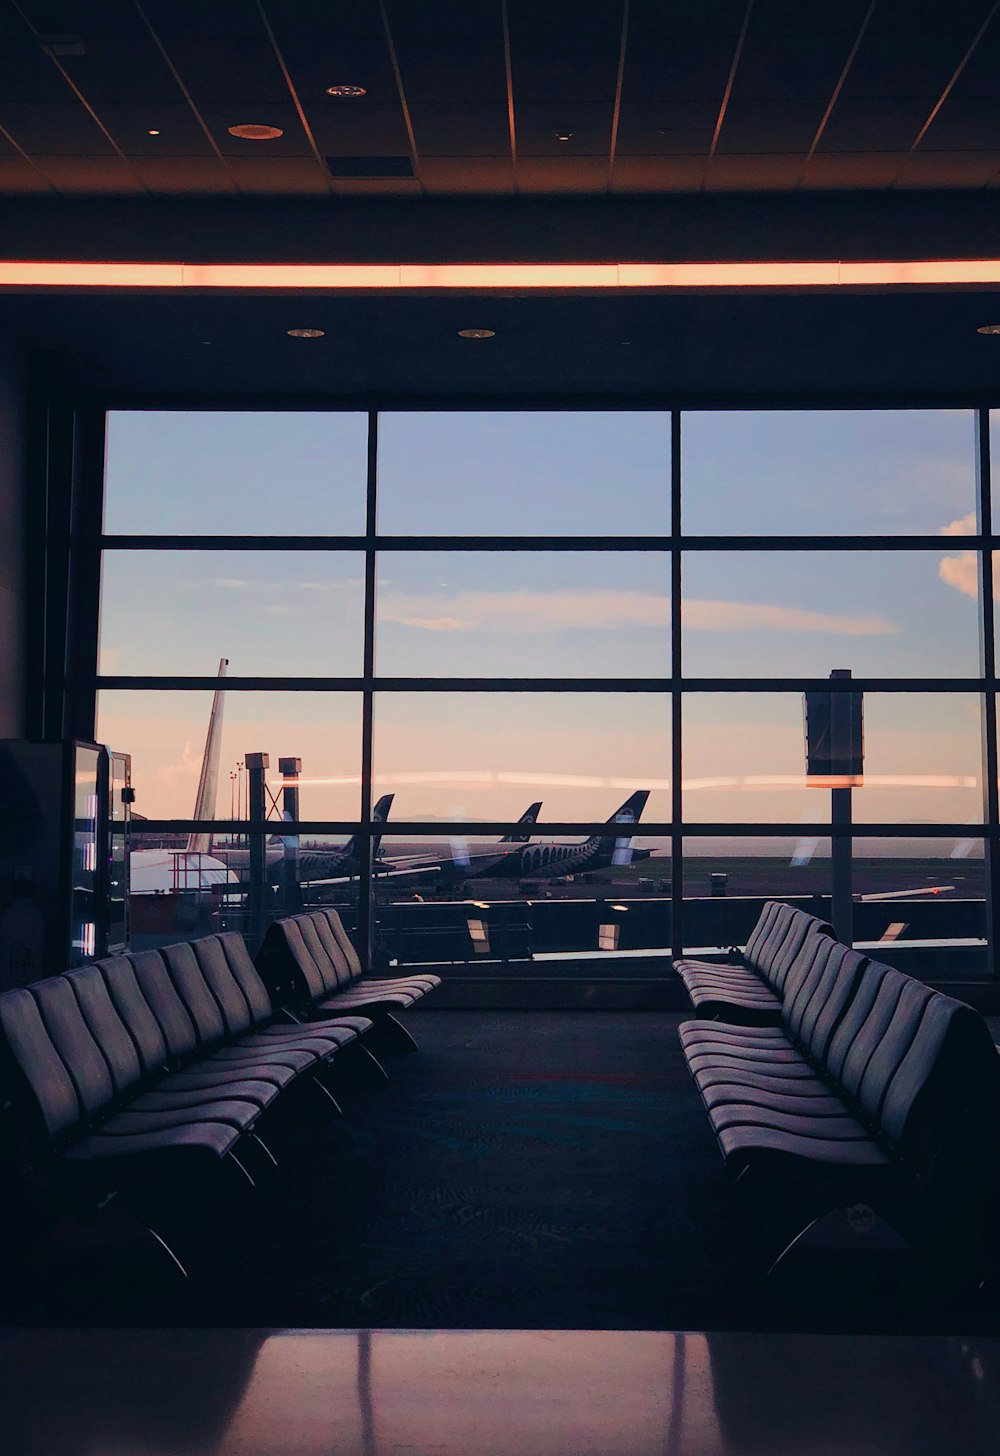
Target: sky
(546, 614)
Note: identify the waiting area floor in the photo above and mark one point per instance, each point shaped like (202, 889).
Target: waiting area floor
(523, 1170)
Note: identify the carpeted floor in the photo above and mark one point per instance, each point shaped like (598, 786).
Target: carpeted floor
(522, 1170)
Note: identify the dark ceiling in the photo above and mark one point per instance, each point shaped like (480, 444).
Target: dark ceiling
(698, 129)
(470, 96)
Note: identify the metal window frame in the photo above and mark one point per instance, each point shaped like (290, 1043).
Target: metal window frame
(86, 545)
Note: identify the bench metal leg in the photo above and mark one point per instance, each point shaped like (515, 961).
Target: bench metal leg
(853, 1228)
(262, 1144)
(317, 1081)
(235, 1160)
(397, 1038)
(159, 1239)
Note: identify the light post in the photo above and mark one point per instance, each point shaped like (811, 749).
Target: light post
(835, 755)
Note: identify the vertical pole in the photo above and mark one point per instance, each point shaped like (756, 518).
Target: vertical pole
(842, 753)
(366, 909)
(257, 764)
(987, 664)
(843, 900)
(676, 703)
(291, 888)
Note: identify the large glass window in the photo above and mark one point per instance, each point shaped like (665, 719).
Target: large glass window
(534, 719)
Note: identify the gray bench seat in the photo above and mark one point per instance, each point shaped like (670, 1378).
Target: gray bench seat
(750, 989)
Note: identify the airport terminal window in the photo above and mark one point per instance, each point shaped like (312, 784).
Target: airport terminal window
(530, 682)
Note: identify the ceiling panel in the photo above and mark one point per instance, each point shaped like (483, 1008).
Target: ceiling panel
(789, 67)
(560, 54)
(658, 174)
(589, 122)
(329, 45)
(452, 51)
(366, 131)
(83, 175)
(967, 124)
(752, 173)
(948, 169)
(475, 175)
(220, 49)
(61, 129)
(26, 72)
(650, 128)
(461, 131)
(857, 171)
(287, 175)
(175, 176)
(981, 76)
(690, 20)
(915, 64)
(808, 17)
(875, 125)
(562, 174)
(769, 126)
(179, 132)
(670, 67)
(18, 177)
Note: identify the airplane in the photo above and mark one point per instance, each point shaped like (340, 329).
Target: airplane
(466, 865)
(515, 857)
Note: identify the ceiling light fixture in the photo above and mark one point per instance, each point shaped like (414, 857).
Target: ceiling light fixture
(306, 333)
(152, 131)
(345, 90)
(563, 136)
(252, 132)
(988, 329)
(477, 333)
(483, 278)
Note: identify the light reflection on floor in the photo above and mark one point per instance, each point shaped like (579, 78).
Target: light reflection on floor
(493, 1393)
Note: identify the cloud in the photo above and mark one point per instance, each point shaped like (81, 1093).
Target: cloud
(434, 624)
(241, 583)
(964, 526)
(608, 611)
(523, 611)
(707, 616)
(962, 572)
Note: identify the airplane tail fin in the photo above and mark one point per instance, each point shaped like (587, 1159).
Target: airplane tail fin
(530, 816)
(628, 813)
(208, 781)
(380, 814)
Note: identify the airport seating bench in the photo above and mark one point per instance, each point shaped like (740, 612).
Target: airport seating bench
(872, 1087)
(147, 1065)
(749, 988)
(309, 964)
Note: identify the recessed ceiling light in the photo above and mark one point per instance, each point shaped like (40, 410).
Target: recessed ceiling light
(251, 132)
(563, 136)
(344, 90)
(988, 329)
(477, 333)
(306, 333)
(152, 131)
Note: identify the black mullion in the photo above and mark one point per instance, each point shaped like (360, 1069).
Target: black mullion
(534, 543)
(541, 685)
(365, 907)
(654, 829)
(676, 700)
(987, 626)
(84, 581)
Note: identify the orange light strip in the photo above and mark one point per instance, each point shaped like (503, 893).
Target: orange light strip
(485, 277)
